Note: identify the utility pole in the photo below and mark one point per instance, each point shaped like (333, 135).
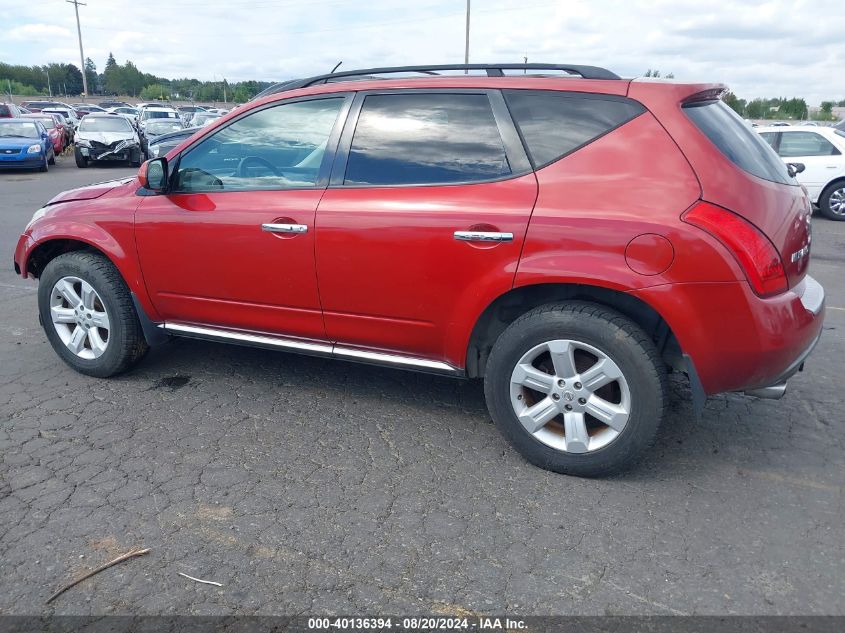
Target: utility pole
(76, 4)
(49, 88)
(466, 45)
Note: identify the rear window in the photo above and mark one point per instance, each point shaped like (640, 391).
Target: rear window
(737, 141)
(554, 124)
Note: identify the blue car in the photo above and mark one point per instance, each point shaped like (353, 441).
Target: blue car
(25, 144)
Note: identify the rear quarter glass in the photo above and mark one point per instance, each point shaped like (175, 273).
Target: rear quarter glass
(744, 147)
(554, 124)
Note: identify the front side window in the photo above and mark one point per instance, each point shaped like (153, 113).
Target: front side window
(420, 139)
(280, 147)
(795, 144)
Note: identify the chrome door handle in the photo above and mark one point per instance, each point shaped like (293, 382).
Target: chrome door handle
(285, 228)
(483, 236)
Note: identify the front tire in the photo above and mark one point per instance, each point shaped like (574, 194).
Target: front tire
(576, 388)
(135, 159)
(832, 202)
(52, 160)
(88, 315)
(81, 161)
(45, 166)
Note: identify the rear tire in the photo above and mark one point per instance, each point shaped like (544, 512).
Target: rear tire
(81, 161)
(832, 202)
(88, 315)
(583, 337)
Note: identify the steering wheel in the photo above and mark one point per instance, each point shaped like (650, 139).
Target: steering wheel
(247, 160)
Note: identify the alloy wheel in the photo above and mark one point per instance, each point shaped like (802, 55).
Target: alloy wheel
(79, 317)
(570, 396)
(837, 201)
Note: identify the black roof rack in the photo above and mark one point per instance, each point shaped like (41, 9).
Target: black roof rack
(493, 70)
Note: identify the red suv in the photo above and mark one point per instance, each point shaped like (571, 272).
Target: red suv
(569, 239)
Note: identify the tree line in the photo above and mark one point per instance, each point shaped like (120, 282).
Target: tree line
(119, 79)
(780, 108)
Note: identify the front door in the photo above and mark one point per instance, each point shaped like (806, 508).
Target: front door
(424, 221)
(232, 243)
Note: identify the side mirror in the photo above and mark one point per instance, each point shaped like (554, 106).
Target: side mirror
(153, 175)
(795, 168)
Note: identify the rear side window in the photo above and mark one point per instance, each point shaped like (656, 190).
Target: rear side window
(420, 139)
(554, 124)
(4, 110)
(737, 141)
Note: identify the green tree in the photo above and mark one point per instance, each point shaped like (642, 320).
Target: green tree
(91, 75)
(736, 104)
(155, 91)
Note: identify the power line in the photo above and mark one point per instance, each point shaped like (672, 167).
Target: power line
(76, 4)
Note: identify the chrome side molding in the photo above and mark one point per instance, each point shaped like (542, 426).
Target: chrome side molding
(311, 348)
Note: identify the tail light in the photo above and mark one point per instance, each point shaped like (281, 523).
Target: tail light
(752, 249)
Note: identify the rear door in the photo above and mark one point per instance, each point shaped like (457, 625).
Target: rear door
(423, 222)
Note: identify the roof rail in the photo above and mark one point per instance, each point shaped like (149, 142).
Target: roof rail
(493, 70)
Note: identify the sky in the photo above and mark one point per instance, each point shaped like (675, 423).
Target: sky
(777, 48)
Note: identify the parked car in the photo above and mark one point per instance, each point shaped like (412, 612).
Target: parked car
(157, 127)
(37, 106)
(67, 129)
(130, 112)
(161, 145)
(840, 125)
(567, 240)
(9, 111)
(25, 111)
(187, 112)
(86, 108)
(25, 144)
(201, 119)
(113, 104)
(55, 129)
(821, 151)
(155, 112)
(71, 118)
(107, 137)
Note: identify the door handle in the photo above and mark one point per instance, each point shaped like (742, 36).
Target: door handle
(284, 228)
(483, 236)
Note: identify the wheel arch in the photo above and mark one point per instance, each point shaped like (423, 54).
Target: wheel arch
(839, 180)
(506, 308)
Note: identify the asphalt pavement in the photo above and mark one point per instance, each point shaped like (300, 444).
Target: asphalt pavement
(305, 485)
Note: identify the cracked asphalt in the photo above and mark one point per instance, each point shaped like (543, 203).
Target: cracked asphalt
(313, 486)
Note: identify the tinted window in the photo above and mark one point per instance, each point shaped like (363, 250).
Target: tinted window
(740, 144)
(405, 139)
(4, 111)
(793, 144)
(554, 124)
(276, 148)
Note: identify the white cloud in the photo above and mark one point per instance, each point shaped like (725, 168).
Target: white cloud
(37, 32)
(771, 48)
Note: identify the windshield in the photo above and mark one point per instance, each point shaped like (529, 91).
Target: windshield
(160, 114)
(205, 118)
(23, 129)
(162, 127)
(105, 124)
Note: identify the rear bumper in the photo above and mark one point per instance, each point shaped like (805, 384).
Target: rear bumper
(736, 340)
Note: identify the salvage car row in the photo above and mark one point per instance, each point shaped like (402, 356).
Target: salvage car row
(113, 131)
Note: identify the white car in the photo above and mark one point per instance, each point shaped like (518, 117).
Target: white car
(822, 152)
(68, 113)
